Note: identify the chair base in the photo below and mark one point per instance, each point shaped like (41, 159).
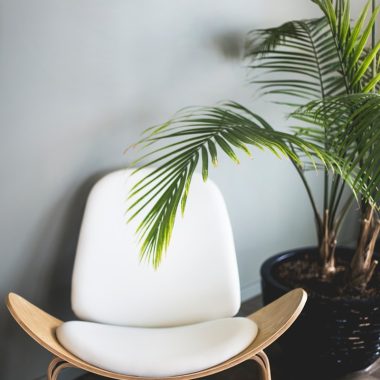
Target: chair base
(262, 360)
(57, 365)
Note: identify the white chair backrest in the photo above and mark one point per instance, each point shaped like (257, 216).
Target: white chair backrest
(197, 280)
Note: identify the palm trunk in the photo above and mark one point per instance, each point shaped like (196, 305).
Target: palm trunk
(327, 248)
(363, 265)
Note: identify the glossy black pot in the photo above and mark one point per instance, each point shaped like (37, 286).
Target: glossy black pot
(331, 336)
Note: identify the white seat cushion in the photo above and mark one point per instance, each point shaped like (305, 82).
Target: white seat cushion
(157, 352)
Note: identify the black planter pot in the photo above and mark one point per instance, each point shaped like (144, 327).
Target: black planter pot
(334, 337)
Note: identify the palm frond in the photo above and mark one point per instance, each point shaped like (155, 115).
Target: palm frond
(197, 137)
(305, 52)
(353, 42)
(354, 128)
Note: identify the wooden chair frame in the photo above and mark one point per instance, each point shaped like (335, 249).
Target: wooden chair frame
(272, 320)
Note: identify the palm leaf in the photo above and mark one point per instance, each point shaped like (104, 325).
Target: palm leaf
(304, 50)
(355, 58)
(354, 126)
(203, 134)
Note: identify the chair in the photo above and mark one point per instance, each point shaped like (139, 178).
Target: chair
(139, 323)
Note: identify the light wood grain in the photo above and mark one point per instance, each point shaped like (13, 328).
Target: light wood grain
(54, 364)
(53, 375)
(262, 360)
(272, 320)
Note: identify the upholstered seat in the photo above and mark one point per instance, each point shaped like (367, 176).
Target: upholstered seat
(157, 352)
(138, 323)
(168, 322)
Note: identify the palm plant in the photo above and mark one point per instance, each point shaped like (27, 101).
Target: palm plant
(328, 66)
(350, 131)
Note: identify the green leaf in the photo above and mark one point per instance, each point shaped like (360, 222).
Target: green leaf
(363, 41)
(227, 149)
(192, 166)
(236, 142)
(204, 163)
(365, 64)
(345, 22)
(353, 124)
(308, 70)
(213, 152)
(349, 46)
(372, 83)
(230, 126)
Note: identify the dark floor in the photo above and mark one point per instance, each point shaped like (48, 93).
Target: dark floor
(247, 370)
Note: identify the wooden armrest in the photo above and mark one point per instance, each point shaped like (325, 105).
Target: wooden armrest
(274, 319)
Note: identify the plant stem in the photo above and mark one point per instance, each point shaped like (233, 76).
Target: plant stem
(343, 212)
(311, 199)
(338, 197)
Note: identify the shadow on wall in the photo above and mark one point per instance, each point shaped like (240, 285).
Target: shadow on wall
(229, 44)
(18, 353)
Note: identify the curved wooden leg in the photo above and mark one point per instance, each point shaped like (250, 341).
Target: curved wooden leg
(265, 359)
(52, 366)
(262, 360)
(55, 367)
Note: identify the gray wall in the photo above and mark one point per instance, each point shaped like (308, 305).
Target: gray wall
(79, 81)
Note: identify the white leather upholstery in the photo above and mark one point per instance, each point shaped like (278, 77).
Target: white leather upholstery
(133, 308)
(158, 352)
(197, 280)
